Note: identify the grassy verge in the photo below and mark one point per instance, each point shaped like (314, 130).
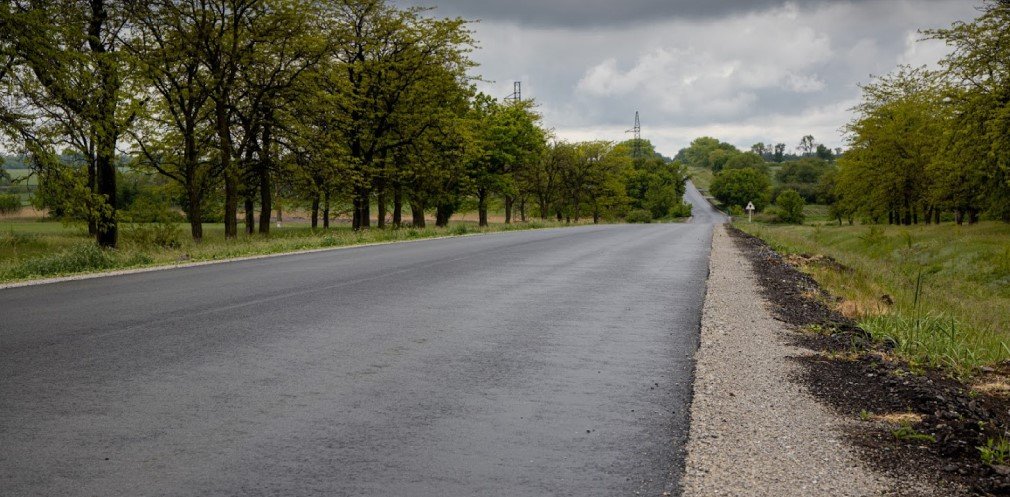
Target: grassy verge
(702, 178)
(33, 250)
(941, 294)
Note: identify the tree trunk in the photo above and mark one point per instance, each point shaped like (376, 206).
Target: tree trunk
(522, 210)
(315, 212)
(108, 230)
(417, 214)
(381, 203)
(250, 215)
(397, 206)
(231, 176)
(362, 208)
(92, 186)
(326, 210)
(509, 202)
(266, 186)
(195, 214)
(482, 207)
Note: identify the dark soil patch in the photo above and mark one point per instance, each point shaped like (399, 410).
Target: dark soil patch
(859, 378)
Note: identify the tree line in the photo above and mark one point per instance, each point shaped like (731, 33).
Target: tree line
(237, 103)
(929, 145)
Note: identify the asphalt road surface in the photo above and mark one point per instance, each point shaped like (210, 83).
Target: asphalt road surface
(554, 362)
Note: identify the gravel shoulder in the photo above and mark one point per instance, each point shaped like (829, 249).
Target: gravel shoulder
(754, 430)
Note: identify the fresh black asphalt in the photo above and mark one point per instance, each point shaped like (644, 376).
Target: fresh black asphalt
(552, 362)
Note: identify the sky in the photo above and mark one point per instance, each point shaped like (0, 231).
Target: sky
(741, 71)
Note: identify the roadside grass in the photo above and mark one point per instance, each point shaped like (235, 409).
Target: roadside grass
(939, 294)
(36, 249)
(702, 178)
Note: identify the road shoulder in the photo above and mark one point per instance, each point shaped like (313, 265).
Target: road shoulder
(754, 431)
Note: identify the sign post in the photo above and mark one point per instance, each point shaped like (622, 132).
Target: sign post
(750, 212)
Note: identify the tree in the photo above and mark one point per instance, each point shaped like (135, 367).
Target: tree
(384, 53)
(72, 53)
(738, 187)
(978, 73)
(745, 160)
(790, 204)
(780, 151)
(893, 143)
(174, 136)
(807, 145)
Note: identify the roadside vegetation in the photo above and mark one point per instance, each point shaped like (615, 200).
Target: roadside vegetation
(941, 294)
(226, 111)
(131, 117)
(33, 249)
(910, 224)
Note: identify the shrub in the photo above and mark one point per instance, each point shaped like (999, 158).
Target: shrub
(790, 205)
(639, 216)
(165, 235)
(740, 186)
(10, 204)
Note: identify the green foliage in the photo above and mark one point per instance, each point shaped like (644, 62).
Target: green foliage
(738, 187)
(639, 216)
(154, 235)
(791, 205)
(909, 434)
(746, 160)
(948, 302)
(78, 259)
(707, 153)
(10, 204)
(996, 451)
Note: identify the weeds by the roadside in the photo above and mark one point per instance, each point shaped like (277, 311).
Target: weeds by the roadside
(907, 433)
(995, 451)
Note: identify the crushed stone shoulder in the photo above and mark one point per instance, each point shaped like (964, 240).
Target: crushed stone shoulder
(754, 431)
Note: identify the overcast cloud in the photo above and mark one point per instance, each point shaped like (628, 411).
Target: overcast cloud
(743, 71)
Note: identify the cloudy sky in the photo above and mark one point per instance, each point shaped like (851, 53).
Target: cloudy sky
(743, 71)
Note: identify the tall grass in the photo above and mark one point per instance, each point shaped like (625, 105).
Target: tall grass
(941, 294)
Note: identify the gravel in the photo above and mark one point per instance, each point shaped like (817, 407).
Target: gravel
(754, 431)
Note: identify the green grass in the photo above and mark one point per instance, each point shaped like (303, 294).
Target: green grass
(950, 285)
(31, 250)
(702, 178)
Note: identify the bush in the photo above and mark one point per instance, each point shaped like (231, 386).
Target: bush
(639, 216)
(740, 186)
(10, 204)
(790, 204)
(165, 235)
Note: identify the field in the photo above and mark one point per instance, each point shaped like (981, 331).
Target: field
(940, 293)
(34, 249)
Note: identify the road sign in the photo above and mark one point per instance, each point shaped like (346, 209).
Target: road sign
(750, 212)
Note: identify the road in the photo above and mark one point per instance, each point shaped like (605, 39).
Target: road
(552, 362)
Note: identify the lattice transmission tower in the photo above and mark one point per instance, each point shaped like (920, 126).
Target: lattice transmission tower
(517, 92)
(637, 131)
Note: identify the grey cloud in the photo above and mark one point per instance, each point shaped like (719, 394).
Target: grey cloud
(570, 13)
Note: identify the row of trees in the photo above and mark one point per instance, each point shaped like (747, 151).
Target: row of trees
(236, 102)
(928, 143)
(710, 153)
